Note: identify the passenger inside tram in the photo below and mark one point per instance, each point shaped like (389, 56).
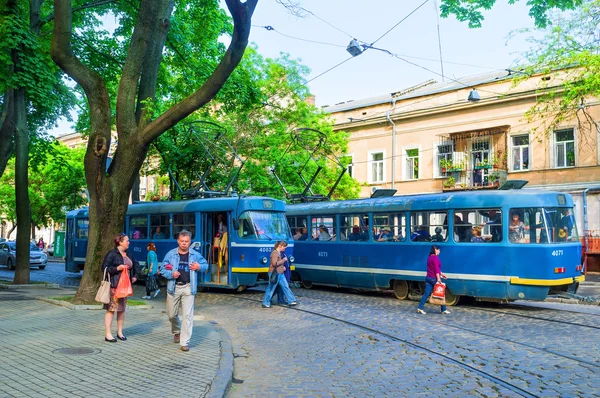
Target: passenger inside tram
(355, 234)
(438, 237)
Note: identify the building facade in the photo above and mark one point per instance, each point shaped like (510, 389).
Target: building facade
(445, 136)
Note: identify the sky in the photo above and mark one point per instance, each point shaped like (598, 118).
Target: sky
(375, 73)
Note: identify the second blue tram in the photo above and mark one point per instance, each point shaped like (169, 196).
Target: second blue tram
(495, 245)
(235, 234)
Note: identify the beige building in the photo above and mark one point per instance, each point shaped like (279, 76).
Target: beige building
(433, 138)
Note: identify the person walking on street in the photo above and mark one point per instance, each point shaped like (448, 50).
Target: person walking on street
(434, 275)
(279, 263)
(152, 289)
(180, 267)
(114, 263)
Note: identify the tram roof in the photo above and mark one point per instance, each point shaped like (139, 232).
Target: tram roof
(241, 203)
(440, 201)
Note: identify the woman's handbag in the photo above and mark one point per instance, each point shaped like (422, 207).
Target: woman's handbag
(124, 288)
(439, 290)
(103, 295)
(274, 277)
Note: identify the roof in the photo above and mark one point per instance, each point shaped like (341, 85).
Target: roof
(424, 89)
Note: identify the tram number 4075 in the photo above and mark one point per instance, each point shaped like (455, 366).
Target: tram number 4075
(557, 253)
(322, 254)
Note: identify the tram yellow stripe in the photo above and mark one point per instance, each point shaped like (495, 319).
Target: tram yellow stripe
(544, 282)
(254, 270)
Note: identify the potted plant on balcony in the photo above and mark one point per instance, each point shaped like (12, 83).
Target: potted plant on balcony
(450, 182)
(445, 164)
(458, 166)
(494, 179)
(499, 159)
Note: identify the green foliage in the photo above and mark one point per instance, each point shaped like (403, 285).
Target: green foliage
(471, 10)
(567, 53)
(55, 187)
(260, 105)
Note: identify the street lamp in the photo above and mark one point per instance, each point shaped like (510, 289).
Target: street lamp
(473, 96)
(354, 48)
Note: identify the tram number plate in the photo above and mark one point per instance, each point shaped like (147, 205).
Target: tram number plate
(322, 254)
(557, 253)
(265, 249)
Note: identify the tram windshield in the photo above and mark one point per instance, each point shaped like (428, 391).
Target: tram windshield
(542, 225)
(263, 225)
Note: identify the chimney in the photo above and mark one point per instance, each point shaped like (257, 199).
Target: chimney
(310, 99)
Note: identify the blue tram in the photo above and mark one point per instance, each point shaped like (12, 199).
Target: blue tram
(234, 234)
(495, 245)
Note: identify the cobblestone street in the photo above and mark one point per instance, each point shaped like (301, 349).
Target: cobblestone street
(339, 343)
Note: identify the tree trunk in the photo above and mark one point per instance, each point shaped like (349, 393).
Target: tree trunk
(7, 128)
(14, 226)
(135, 191)
(21, 188)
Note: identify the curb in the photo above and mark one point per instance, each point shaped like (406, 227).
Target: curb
(93, 307)
(30, 286)
(222, 381)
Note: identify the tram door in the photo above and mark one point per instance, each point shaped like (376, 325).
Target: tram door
(69, 249)
(216, 246)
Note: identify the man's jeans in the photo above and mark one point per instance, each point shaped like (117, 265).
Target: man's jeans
(183, 297)
(282, 282)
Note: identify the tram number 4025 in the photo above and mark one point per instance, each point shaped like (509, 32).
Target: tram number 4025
(557, 253)
(322, 254)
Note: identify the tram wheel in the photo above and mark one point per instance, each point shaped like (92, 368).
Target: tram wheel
(451, 299)
(307, 284)
(401, 289)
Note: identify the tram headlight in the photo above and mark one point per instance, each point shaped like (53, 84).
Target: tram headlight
(264, 260)
(292, 259)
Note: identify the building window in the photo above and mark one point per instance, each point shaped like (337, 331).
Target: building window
(412, 164)
(444, 159)
(377, 167)
(520, 152)
(348, 160)
(564, 148)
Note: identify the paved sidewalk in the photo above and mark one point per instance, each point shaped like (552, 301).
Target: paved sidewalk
(34, 362)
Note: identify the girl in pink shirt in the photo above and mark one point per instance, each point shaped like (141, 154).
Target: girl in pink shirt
(433, 276)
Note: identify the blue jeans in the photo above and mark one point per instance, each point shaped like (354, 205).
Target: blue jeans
(287, 292)
(429, 284)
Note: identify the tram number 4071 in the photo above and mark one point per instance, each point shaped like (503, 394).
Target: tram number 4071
(557, 253)
(322, 254)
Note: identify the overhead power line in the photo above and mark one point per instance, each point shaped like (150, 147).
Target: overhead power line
(402, 20)
(270, 28)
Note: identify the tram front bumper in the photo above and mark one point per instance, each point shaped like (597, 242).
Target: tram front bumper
(515, 280)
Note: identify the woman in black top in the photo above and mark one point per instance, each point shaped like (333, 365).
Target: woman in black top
(115, 262)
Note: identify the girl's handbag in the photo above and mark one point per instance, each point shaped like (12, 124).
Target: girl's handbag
(439, 291)
(124, 288)
(437, 301)
(274, 277)
(103, 295)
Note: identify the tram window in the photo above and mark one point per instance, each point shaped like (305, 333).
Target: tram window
(323, 228)
(138, 227)
(428, 226)
(82, 228)
(298, 227)
(389, 227)
(183, 221)
(542, 225)
(478, 225)
(353, 227)
(160, 227)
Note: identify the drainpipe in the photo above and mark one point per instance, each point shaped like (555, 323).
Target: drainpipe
(393, 141)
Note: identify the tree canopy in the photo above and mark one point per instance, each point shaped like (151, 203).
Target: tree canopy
(471, 10)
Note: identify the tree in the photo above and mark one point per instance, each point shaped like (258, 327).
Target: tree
(34, 96)
(144, 29)
(568, 50)
(56, 185)
(257, 112)
(470, 10)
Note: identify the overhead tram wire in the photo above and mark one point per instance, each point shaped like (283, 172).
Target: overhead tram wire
(270, 28)
(322, 20)
(402, 20)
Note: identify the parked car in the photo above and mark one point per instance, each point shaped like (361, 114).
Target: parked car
(8, 255)
(50, 249)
